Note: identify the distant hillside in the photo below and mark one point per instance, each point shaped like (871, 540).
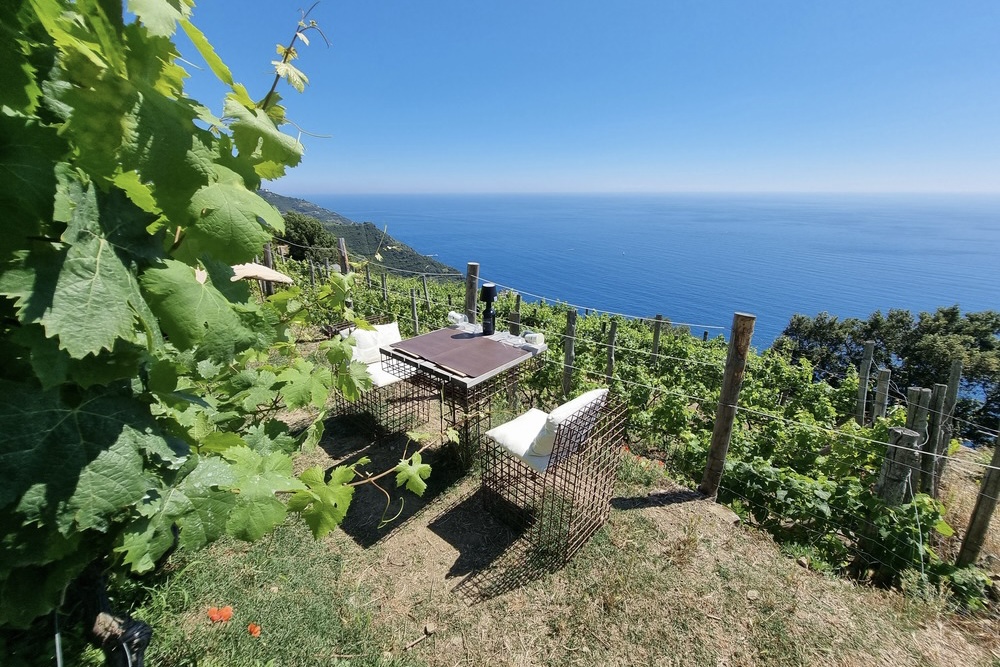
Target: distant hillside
(363, 239)
(285, 204)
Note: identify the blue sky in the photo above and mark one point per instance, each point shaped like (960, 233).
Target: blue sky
(632, 96)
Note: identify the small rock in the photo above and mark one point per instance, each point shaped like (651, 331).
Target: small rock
(753, 595)
(803, 561)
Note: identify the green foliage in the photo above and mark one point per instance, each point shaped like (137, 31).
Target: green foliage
(919, 351)
(140, 384)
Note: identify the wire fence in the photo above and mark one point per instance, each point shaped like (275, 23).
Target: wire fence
(767, 491)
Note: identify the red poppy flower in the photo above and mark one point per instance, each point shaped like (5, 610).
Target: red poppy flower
(254, 630)
(220, 614)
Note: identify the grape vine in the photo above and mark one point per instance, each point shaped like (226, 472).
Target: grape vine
(139, 384)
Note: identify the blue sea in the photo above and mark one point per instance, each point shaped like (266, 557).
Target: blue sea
(698, 258)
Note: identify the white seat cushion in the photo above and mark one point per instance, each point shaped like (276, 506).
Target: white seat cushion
(380, 377)
(518, 435)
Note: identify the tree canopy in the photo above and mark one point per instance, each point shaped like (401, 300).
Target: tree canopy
(918, 350)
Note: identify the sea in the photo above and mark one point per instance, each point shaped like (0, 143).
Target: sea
(697, 259)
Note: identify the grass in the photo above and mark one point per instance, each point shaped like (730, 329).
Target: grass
(289, 584)
(669, 580)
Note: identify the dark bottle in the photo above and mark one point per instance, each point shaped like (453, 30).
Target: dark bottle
(489, 319)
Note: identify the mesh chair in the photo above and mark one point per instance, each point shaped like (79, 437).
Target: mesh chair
(393, 403)
(553, 474)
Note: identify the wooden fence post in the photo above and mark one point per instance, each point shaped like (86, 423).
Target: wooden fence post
(612, 336)
(657, 326)
(267, 285)
(385, 291)
(368, 275)
(725, 412)
(413, 309)
(918, 400)
(312, 274)
(881, 394)
(326, 263)
(934, 427)
(986, 504)
(864, 370)
(514, 320)
(895, 481)
(345, 265)
(948, 430)
(569, 346)
(427, 296)
(471, 287)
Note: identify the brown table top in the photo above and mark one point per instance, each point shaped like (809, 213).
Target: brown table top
(459, 352)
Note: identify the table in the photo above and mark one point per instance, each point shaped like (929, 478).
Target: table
(467, 369)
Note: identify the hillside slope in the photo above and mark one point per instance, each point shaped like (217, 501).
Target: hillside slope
(363, 239)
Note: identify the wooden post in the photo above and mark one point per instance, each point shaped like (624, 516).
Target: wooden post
(930, 446)
(427, 296)
(899, 468)
(312, 274)
(326, 262)
(881, 394)
(948, 424)
(345, 265)
(413, 309)
(569, 346)
(471, 287)
(385, 291)
(725, 412)
(368, 275)
(918, 400)
(986, 504)
(657, 326)
(514, 320)
(863, 372)
(610, 371)
(266, 285)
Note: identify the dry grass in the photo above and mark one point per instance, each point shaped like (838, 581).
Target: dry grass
(669, 581)
(959, 488)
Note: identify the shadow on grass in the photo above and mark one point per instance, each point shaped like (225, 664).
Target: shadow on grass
(656, 499)
(372, 516)
(493, 557)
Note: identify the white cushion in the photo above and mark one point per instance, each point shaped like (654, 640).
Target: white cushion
(517, 436)
(380, 377)
(388, 333)
(543, 444)
(366, 346)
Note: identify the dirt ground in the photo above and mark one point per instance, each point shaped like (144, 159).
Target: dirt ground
(672, 579)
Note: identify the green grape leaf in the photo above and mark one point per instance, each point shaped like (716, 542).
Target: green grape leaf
(83, 294)
(200, 506)
(943, 528)
(311, 437)
(323, 504)
(258, 139)
(228, 223)
(257, 480)
(161, 16)
(192, 312)
(271, 436)
(291, 74)
(220, 441)
(49, 444)
(146, 539)
(113, 480)
(305, 384)
(412, 472)
(28, 153)
(215, 63)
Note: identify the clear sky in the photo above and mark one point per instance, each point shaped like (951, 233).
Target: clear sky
(630, 95)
